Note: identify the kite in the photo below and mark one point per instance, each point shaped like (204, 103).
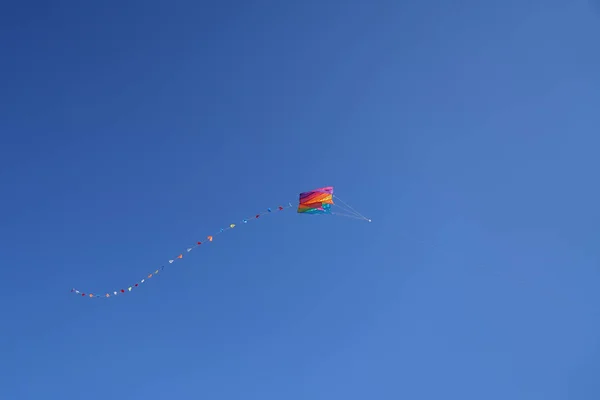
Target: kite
(315, 202)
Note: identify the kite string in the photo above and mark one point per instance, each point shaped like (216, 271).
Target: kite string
(347, 215)
(351, 208)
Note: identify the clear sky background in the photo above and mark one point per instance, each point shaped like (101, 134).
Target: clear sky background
(469, 131)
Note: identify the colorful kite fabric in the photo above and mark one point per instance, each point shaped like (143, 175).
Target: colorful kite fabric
(318, 201)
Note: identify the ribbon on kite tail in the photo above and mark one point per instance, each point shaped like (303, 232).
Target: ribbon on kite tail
(208, 239)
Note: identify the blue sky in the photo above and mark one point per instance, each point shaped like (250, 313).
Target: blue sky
(467, 130)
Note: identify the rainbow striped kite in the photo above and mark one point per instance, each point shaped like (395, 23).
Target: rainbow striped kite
(317, 201)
